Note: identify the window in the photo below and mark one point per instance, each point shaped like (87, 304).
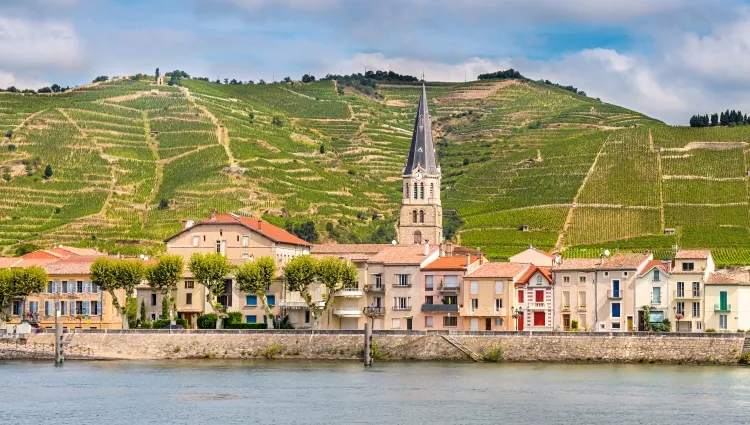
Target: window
(696, 290)
(451, 281)
(189, 284)
(48, 308)
(681, 289)
(79, 307)
(581, 279)
(414, 216)
(17, 308)
(498, 304)
(63, 309)
(428, 283)
(432, 190)
(245, 240)
(428, 321)
(51, 287)
(251, 319)
(196, 240)
(657, 275)
(378, 280)
(615, 326)
(79, 287)
(400, 303)
(251, 301)
(417, 237)
(421, 216)
(616, 310)
(95, 310)
(723, 322)
(681, 308)
(450, 321)
(498, 322)
(625, 274)
(698, 325)
(539, 296)
(687, 267)
(696, 309)
(65, 287)
(271, 300)
(540, 318)
(474, 287)
(474, 304)
(566, 279)
(403, 280)
(307, 317)
(421, 191)
(656, 295)
(416, 192)
(499, 287)
(606, 274)
(188, 298)
(428, 300)
(520, 296)
(153, 300)
(538, 279)
(95, 288)
(396, 324)
(406, 190)
(581, 300)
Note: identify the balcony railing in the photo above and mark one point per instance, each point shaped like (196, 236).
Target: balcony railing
(397, 308)
(566, 307)
(538, 305)
(726, 308)
(656, 302)
(582, 307)
(690, 295)
(448, 288)
(347, 312)
(375, 288)
(374, 311)
(349, 293)
(402, 285)
(440, 308)
(616, 295)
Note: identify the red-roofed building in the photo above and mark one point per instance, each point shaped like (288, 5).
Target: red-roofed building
(653, 288)
(535, 299)
(441, 286)
(488, 297)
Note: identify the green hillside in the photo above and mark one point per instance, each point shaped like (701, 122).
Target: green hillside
(130, 159)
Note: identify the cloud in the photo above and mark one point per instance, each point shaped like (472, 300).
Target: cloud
(33, 44)
(7, 79)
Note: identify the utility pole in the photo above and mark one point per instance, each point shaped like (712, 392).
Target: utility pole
(368, 345)
(59, 356)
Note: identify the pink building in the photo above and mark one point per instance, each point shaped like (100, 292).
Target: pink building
(442, 281)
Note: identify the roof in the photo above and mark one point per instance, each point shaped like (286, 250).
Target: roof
(624, 261)
(659, 264)
(422, 151)
(62, 251)
(450, 263)
(402, 254)
(692, 254)
(734, 277)
(335, 248)
(499, 270)
(264, 228)
(584, 264)
(545, 271)
(531, 248)
(69, 266)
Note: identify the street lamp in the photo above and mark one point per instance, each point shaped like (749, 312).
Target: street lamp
(677, 316)
(516, 313)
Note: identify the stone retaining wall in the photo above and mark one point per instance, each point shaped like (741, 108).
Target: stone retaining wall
(408, 345)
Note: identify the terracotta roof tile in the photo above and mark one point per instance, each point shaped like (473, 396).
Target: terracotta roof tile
(692, 254)
(665, 267)
(735, 277)
(265, 228)
(456, 262)
(333, 248)
(402, 254)
(546, 272)
(499, 270)
(624, 261)
(588, 264)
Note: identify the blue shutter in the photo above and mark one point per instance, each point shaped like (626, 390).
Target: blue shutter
(46, 308)
(271, 299)
(34, 307)
(615, 310)
(58, 284)
(73, 285)
(88, 285)
(87, 308)
(72, 307)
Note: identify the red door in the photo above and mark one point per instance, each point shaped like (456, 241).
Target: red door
(520, 322)
(539, 318)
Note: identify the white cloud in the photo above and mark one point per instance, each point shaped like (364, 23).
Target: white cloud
(38, 44)
(7, 79)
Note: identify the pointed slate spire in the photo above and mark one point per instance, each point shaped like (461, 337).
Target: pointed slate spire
(422, 152)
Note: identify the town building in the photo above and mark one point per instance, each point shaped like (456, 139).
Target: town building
(488, 302)
(727, 301)
(536, 300)
(575, 293)
(533, 256)
(689, 273)
(443, 285)
(653, 290)
(421, 217)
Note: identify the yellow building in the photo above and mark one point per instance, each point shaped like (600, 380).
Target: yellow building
(727, 301)
(487, 297)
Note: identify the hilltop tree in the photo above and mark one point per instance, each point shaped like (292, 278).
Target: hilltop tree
(262, 82)
(48, 171)
(56, 88)
(210, 270)
(164, 277)
(100, 79)
(308, 78)
(287, 79)
(255, 277)
(115, 275)
(157, 73)
(19, 283)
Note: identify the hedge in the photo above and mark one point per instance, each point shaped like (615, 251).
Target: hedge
(247, 326)
(161, 323)
(207, 321)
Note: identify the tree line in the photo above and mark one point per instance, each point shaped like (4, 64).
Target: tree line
(54, 88)
(512, 74)
(724, 119)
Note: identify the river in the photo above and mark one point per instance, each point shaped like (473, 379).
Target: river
(283, 392)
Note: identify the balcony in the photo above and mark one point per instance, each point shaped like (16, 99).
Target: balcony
(375, 288)
(687, 295)
(726, 308)
(296, 305)
(349, 293)
(440, 308)
(615, 295)
(401, 285)
(582, 308)
(397, 308)
(655, 303)
(374, 311)
(347, 312)
(448, 289)
(538, 306)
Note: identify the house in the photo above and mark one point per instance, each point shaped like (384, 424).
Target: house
(690, 271)
(727, 297)
(488, 297)
(575, 293)
(442, 284)
(535, 297)
(533, 256)
(653, 292)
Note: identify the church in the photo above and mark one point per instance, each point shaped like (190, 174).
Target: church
(421, 218)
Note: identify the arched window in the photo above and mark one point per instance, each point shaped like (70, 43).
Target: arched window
(421, 216)
(421, 191)
(432, 190)
(414, 216)
(539, 279)
(416, 190)
(406, 191)
(418, 237)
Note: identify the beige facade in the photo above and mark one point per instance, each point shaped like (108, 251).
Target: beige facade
(574, 293)
(727, 301)
(488, 297)
(689, 273)
(534, 257)
(442, 283)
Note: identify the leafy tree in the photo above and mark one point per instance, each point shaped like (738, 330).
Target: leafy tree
(254, 277)
(12, 89)
(44, 90)
(164, 277)
(300, 273)
(25, 248)
(113, 275)
(101, 79)
(251, 116)
(503, 75)
(226, 81)
(322, 149)
(56, 88)
(287, 79)
(335, 274)
(163, 205)
(143, 304)
(157, 73)
(451, 223)
(308, 78)
(19, 283)
(48, 171)
(385, 233)
(210, 270)
(277, 121)
(303, 229)
(262, 82)
(165, 310)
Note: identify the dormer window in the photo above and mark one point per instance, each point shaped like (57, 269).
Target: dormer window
(656, 275)
(688, 267)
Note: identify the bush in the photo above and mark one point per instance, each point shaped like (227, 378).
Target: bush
(272, 351)
(276, 121)
(233, 318)
(246, 326)
(161, 323)
(745, 358)
(574, 325)
(147, 325)
(493, 354)
(207, 321)
(710, 330)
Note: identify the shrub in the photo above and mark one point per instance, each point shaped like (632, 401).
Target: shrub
(574, 325)
(745, 358)
(161, 323)
(272, 351)
(277, 121)
(11, 147)
(246, 326)
(493, 354)
(163, 204)
(146, 325)
(322, 148)
(710, 330)
(207, 321)
(48, 171)
(232, 318)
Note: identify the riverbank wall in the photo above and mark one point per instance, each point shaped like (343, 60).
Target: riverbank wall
(554, 347)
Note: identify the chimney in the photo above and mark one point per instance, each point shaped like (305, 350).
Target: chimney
(188, 224)
(260, 224)
(449, 249)
(442, 250)
(184, 224)
(426, 249)
(601, 259)
(468, 260)
(214, 213)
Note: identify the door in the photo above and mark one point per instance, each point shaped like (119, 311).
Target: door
(408, 323)
(539, 318)
(723, 300)
(519, 325)
(630, 324)
(488, 324)
(474, 324)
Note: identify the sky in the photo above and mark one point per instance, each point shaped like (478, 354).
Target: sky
(669, 59)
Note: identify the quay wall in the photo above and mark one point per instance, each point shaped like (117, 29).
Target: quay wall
(557, 347)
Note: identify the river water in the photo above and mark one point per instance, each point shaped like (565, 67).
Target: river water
(283, 392)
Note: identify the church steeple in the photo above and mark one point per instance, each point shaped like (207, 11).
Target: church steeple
(422, 151)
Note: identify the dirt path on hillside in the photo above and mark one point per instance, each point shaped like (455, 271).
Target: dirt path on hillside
(707, 178)
(222, 135)
(153, 144)
(479, 94)
(708, 145)
(661, 181)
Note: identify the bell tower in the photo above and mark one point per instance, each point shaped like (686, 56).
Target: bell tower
(421, 218)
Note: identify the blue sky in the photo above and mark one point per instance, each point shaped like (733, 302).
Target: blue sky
(666, 58)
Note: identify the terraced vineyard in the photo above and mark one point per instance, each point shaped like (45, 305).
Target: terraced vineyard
(131, 158)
